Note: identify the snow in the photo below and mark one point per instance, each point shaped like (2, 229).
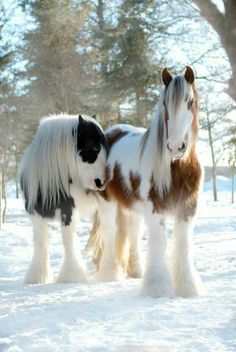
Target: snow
(100, 317)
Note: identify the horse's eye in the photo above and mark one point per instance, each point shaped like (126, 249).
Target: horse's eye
(96, 149)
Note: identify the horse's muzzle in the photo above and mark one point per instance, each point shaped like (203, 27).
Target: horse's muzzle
(99, 184)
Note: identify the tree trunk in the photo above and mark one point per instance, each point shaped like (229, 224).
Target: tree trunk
(4, 210)
(0, 198)
(225, 25)
(4, 194)
(213, 159)
(119, 119)
(140, 110)
(232, 183)
(215, 197)
(16, 178)
(101, 25)
(17, 188)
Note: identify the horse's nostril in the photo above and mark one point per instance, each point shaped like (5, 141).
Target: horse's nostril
(98, 183)
(182, 148)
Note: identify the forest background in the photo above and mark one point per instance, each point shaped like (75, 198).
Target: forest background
(105, 58)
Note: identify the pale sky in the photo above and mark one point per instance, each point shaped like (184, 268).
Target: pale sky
(178, 55)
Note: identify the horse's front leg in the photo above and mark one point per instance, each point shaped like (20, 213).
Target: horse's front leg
(157, 280)
(39, 271)
(73, 268)
(186, 278)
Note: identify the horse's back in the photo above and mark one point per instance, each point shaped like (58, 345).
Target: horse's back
(119, 131)
(124, 144)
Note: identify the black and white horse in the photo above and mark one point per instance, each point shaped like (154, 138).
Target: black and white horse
(65, 160)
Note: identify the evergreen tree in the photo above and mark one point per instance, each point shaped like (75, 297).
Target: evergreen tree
(6, 56)
(133, 71)
(55, 68)
(103, 99)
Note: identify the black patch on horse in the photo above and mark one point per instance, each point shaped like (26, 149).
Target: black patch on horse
(64, 203)
(90, 139)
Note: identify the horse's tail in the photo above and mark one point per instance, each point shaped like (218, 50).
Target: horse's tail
(122, 241)
(95, 242)
(96, 245)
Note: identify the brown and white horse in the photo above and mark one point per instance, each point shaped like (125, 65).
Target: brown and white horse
(151, 174)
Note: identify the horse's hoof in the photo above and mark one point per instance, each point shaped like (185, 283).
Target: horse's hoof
(110, 273)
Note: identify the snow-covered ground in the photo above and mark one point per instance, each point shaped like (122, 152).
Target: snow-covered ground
(101, 317)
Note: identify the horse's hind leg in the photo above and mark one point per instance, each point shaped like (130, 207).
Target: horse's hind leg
(73, 268)
(135, 231)
(122, 241)
(39, 271)
(186, 279)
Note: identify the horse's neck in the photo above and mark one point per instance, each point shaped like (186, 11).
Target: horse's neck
(155, 160)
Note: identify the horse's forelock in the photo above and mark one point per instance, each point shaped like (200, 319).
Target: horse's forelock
(177, 92)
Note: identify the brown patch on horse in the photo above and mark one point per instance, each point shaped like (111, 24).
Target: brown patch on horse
(135, 181)
(115, 135)
(117, 187)
(183, 195)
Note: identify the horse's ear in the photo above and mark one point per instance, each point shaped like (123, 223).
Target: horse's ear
(81, 120)
(94, 116)
(166, 77)
(189, 75)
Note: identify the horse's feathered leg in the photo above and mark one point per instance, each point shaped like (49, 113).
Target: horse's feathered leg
(157, 280)
(73, 268)
(109, 268)
(39, 271)
(186, 278)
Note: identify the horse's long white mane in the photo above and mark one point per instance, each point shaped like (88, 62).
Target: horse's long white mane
(49, 161)
(155, 140)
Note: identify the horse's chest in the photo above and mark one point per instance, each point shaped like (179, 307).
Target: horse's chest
(85, 202)
(183, 195)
